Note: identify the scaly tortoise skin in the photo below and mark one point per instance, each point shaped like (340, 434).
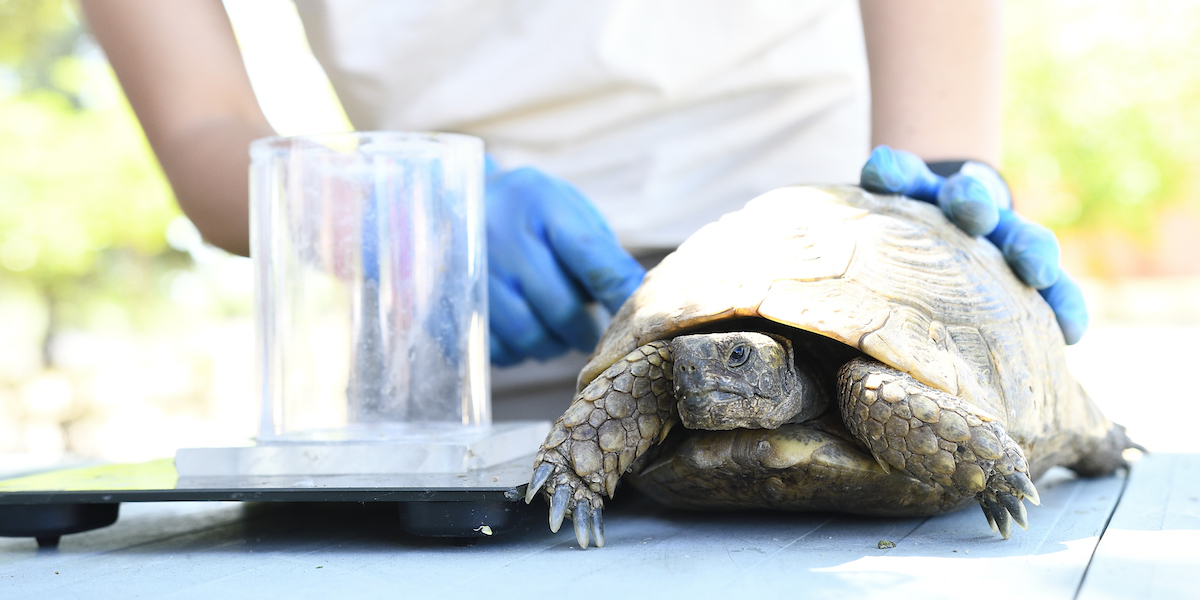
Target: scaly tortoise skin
(826, 349)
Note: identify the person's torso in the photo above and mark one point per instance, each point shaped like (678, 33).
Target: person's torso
(666, 113)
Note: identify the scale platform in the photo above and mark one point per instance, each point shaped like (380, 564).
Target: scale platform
(463, 506)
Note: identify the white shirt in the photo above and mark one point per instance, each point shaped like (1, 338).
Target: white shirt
(666, 113)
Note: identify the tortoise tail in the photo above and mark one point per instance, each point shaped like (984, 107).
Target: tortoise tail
(1106, 454)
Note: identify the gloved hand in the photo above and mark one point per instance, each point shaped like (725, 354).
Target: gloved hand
(978, 201)
(550, 254)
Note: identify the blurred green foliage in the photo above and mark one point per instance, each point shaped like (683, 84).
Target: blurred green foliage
(83, 205)
(35, 31)
(1102, 113)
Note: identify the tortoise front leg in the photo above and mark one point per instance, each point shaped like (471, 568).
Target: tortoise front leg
(937, 438)
(614, 420)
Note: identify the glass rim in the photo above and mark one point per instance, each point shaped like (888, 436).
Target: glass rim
(331, 141)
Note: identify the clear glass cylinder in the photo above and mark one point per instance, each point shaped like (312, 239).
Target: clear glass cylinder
(370, 274)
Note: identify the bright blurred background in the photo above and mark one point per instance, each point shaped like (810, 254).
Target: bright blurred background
(124, 337)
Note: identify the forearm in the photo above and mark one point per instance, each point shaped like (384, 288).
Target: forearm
(181, 69)
(208, 167)
(935, 76)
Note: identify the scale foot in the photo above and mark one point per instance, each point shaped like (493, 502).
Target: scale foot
(468, 520)
(49, 522)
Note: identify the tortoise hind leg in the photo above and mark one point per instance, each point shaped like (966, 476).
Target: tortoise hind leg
(1104, 454)
(936, 438)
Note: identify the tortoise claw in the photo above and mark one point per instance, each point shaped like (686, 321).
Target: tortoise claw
(597, 526)
(1021, 482)
(558, 507)
(999, 519)
(581, 517)
(990, 519)
(882, 463)
(1016, 509)
(666, 428)
(540, 475)
(1003, 519)
(610, 483)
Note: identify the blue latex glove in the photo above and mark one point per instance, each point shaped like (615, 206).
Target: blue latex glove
(978, 201)
(550, 254)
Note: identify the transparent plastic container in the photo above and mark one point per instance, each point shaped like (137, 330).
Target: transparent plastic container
(370, 274)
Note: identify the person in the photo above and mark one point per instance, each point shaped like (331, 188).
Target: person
(614, 128)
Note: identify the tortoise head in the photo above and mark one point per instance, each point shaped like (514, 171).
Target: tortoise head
(742, 380)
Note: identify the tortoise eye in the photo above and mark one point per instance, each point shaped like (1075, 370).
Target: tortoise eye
(739, 355)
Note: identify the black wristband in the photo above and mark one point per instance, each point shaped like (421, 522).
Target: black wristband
(946, 168)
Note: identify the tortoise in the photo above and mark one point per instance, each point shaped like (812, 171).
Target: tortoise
(826, 349)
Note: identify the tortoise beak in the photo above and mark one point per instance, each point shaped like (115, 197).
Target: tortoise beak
(710, 410)
(707, 399)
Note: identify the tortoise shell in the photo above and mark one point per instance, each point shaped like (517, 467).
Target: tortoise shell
(886, 275)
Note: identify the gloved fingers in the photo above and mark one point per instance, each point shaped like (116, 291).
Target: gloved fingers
(501, 355)
(891, 171)
(515, 328)
(978, 201)
(1066, 299)
(969, 198)
(522, 205)
(590, 252)
(552, 296)
(1033, 253)
(490, 166)
(996, 186)
(554, 249)
(973, 197)
(1030, 249)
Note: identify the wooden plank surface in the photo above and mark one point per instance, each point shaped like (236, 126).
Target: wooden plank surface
(205, 550)
(1151, 548)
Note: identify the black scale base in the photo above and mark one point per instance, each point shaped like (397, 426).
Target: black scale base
(463, 507)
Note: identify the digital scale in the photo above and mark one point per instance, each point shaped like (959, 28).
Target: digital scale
(49, 505)
(370, 285)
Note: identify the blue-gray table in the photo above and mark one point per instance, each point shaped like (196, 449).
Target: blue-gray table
(1117, 537)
